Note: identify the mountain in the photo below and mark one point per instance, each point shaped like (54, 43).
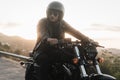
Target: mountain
(17, 43)
(108, 52)
(114, 51)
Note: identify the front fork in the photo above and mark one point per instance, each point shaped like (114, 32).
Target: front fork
(82, 67)
(97, 67)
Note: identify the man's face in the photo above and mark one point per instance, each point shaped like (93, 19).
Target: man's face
(53, 15)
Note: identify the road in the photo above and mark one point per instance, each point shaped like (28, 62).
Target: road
(11, 70)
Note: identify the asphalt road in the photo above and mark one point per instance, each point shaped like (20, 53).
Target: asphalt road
(11, 70)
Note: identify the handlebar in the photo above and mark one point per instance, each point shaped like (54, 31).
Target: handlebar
(96, 45)
(68, 42)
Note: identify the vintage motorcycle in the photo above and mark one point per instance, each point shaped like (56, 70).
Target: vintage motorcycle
(84, 66)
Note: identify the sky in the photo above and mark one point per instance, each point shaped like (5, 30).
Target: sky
(97, 19)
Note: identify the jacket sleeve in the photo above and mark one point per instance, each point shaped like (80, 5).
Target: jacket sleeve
(77, 34)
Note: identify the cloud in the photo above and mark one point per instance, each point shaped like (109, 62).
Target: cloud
(9, 25)
(103, 27)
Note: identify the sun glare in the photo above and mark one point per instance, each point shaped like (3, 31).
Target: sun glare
(25, 18)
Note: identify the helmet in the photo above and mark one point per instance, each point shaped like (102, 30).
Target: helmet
(55, 5)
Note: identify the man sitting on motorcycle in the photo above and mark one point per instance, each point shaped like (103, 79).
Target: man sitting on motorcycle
(49, 31)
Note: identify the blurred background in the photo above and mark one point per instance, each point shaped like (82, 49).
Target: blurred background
(99, 20)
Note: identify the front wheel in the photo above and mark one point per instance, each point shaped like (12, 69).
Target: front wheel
(102, 77)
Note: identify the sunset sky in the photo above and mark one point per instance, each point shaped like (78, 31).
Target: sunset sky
(98, 19)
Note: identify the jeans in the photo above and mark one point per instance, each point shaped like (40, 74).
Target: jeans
(46, 58)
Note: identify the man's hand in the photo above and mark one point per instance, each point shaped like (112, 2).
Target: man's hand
(93, 42)
(52, 41)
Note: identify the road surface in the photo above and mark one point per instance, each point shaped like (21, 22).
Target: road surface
(11, 70)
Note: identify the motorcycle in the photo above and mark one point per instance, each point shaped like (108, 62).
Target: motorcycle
(84, 66)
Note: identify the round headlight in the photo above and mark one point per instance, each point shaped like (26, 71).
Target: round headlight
(91, 52)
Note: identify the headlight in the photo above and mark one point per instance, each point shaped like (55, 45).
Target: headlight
(90, 52)
(90, 55)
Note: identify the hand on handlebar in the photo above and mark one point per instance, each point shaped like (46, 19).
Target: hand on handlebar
(95, 43)
(52, 41)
